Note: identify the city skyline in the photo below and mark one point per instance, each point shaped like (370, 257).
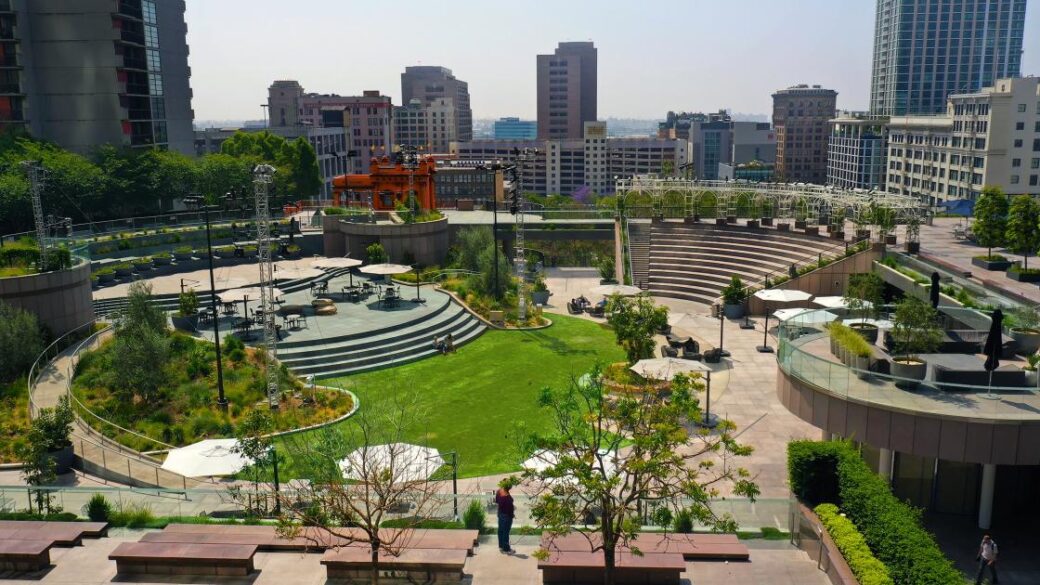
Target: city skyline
(501, 69)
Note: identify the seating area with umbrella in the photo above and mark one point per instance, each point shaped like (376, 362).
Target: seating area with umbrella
(404, 461)
(777, 295)
(667, 368)
(209, 458)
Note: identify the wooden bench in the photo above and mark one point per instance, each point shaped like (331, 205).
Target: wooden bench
(86, 529)
(411, 565)
(267, 539)
(157, 558)
(25, 555)
(586, 568)
(57, 535)
(693, 547)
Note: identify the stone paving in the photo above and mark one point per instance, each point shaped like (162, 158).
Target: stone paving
(777, 563)
(224, 277)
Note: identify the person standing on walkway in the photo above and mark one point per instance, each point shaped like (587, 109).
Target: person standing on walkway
(987, 557)
(506, 511)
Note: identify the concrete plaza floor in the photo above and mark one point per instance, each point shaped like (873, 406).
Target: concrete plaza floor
(777, 563)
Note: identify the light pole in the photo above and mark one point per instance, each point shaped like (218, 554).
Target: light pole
(277, 488)
(197, 200)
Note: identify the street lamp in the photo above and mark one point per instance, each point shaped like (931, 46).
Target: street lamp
(198, 202)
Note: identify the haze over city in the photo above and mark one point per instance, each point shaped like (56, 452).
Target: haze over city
(653, 56)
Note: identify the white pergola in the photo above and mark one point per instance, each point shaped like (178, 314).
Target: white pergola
(643, 195)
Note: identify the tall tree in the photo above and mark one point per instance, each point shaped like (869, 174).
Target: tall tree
(607, 457)
(305, 175)
(635, 322)
(991, 211)
(176, 176)
(1022, 235)
(220, 174)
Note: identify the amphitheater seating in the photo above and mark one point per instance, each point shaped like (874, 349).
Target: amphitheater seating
(696, 261)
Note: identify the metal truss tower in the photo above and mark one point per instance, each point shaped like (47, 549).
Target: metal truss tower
(262, 177)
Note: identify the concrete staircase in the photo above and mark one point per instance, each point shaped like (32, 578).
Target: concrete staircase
(695, 262)
(639, 252)
(381, 348)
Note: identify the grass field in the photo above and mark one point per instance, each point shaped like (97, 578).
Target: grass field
(476, 396)
(14, 417)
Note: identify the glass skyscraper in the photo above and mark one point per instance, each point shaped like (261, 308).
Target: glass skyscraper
(925, 50)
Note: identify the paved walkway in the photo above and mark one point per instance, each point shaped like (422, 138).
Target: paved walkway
(776, 563)
(224, 277)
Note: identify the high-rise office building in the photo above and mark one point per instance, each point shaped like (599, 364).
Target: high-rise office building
(801, 118)
(283, 103)
(429, 84)
(515, 129)
(567, 82)
(82, 73)
(715, 139)
(926, 50)
(856, 151)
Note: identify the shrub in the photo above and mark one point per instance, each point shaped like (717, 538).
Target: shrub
(734, 292)
(183, 250)
(991, 258)
(335, 211)
(375, 253)
(21, 340)
(866, 567)
(833, 472)
(132, 516)
(847, 338)
(98, 508)
(188, 303)
(683, 522)
(475, 518)
(607, 268)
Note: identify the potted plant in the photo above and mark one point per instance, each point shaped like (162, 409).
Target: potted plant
(162, 259)
(783, 227)
(914, 332)
(540, 293)
(224, 252)
(1025, 331)
(187, 317)
(720, 221)
(375, 253)
(863, 297)
(182, 253)
(1031, 374)
(123, 269)
(733, 298)
(142, 264)
(105, 275)
(885, 220)
(913, 234)
(990, 227)
(607, 270)
(250, 251)
(292, 251)
(752, 223)
(995, 262)
(766, 221)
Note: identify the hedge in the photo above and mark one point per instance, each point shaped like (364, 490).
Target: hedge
(833, 472)
(847, 338)
(867, 568)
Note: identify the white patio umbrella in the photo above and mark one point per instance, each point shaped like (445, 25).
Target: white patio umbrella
(805, 316)
(667, 368)
(332, 263)
(410, 462)
(625, 290)
(209, 458)
(837, 303)
(385, 269)
(777, 295)
(542, 460)
(296, 273)
(250, 293)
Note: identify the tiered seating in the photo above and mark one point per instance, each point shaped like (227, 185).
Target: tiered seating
(695, 262)
(26, 545)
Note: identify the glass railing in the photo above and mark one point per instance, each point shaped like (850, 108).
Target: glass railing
(805, 353)
(750, 516)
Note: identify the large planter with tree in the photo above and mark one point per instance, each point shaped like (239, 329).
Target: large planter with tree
(50, 451)
(187, 317)
(991, 216)
(863, 298)
(540, 292)
(767, 221)
(733, 298)
(607, 270)
(783, 227)
(914, 332)
(1020, 274)
(994, 262)
(1022, 235)
(1026, 330)
(182, 253)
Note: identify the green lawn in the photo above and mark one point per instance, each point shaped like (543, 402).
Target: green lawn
(477, 395)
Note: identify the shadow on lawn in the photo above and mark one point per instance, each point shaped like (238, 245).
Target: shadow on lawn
(555, 344)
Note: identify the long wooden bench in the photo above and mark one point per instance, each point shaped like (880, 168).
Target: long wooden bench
(267, 539)
(57, 535)
(412, 565)
(691, 546)
(586, 568)
(157, 558)
(25, 555)
(86, 529)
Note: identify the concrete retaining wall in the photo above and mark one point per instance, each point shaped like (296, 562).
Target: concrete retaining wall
(427, 242)
(810, 535)
(61, 300)
(831, 280)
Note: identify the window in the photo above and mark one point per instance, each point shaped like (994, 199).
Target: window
(1018, 143)
(1033, 180)
(1021, 108)
(1035, 163)
(151, 36)
(1014, 179)
(154, 64)
(1016, 162)
(1020, 125)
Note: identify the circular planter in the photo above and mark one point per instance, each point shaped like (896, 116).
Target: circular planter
(124, 272)
(106, 277)
(190, 323)
(1031, 378)
(910, 370)
(540, 297)
(219, 253)
(182, 256)
(733, 311)
(860, 363)
(869, 331)
(161, 260)
(250, 253)
(143, 266)
(63, 459)
(1028, 340)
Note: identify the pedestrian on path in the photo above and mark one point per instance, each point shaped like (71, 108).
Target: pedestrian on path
(987, 558)
(506, 512)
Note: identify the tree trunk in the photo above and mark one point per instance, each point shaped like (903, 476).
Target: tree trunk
(608, 565)
(375, 563)
(609, 547)
(1025, 261)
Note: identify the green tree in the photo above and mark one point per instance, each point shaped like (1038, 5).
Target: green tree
(914, 327)
(864, 294)
(142, 346)
(21, 341)
(74, 185)
(990, 219)
(375, 253)
(48, 432)
(304, 175)
(664, 462)
(176, 176)
(635, 322)
(255, 443)
(485, 280)
(471, 242)
(1022, 235)
(220, 174)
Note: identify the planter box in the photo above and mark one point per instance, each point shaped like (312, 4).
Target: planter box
(1028, 341)
(106, 278)
(180, 257)
(694, 219)
(124, 272)
(161, 261)
(768, 221)
(1023, 276)
(837, 235)
(720, 221)
(541, 297)
(890, 240)
(733, 311)
(190, 324)
(812, 230)
(731, 219)
(866, 330)
(799, 224)
(911, 373)
(783, 227)
(862, 234)
(997, 265)
(63, 459)
(223, 253)
(752, 223)
(913, 247)
(143, 267)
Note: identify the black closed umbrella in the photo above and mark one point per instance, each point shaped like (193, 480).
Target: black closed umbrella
(994, 346)
(935, 290)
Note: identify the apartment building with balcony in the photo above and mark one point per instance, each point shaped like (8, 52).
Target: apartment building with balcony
(83, 73)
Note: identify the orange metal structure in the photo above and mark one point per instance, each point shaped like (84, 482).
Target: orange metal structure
(387, 184)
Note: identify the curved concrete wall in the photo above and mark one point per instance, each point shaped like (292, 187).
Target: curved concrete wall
(427, 242)
(967, 440)
(61, 300)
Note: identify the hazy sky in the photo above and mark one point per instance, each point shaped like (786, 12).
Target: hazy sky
(654, 55)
